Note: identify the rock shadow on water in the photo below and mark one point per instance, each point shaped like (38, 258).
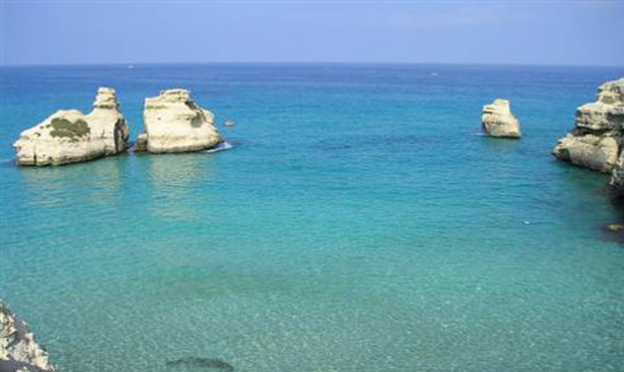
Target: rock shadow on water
(494, 145)
(8, 163)
(93, 183)
(203, 363)
(174, 182)
(613, 231)
(370, 142)
(609, 234)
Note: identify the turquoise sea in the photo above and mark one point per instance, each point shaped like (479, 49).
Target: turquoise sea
(359, 223)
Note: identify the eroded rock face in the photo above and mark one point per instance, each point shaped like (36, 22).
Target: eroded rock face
(617, 178)
(174, 123)
(599, 153)
(595, 143)
(498, 121)
(140, 145)
(69, 136)
(18, 349)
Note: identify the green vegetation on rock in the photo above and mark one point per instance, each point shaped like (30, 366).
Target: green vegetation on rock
(65, 128)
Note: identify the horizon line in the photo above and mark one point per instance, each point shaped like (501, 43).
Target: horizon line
(511, 64)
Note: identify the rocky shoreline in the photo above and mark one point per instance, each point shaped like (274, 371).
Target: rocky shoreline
(597, 139)
(595, 142)
(19, 350)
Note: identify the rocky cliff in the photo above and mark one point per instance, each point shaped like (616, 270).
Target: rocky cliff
(596, 140)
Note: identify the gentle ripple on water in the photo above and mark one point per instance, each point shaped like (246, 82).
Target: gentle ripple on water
(357, 224)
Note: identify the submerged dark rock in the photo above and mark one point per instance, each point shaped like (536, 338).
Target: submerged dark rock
(198, 362)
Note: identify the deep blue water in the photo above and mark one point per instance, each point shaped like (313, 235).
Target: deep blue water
(360, 223)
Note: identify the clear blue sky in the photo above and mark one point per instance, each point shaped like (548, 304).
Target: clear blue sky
(114, 31)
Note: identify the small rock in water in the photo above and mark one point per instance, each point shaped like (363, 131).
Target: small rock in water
(498, 121)
(615, 227)
(229, 123)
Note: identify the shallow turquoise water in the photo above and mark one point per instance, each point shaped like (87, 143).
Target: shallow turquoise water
(360, 223)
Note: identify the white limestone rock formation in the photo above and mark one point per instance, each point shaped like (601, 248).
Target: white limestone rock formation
(595, 152)
(69, 136)
(174, 123)
(595, 143)
(498, 121)
(18, 349)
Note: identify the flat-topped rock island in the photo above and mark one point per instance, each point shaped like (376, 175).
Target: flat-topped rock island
(69, 136)
(173, 122)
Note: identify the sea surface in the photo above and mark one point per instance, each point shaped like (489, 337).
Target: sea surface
(359, 222)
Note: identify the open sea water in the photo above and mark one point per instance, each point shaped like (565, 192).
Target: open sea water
(358, 223)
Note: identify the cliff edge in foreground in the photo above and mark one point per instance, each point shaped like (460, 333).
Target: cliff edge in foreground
(18, 349)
